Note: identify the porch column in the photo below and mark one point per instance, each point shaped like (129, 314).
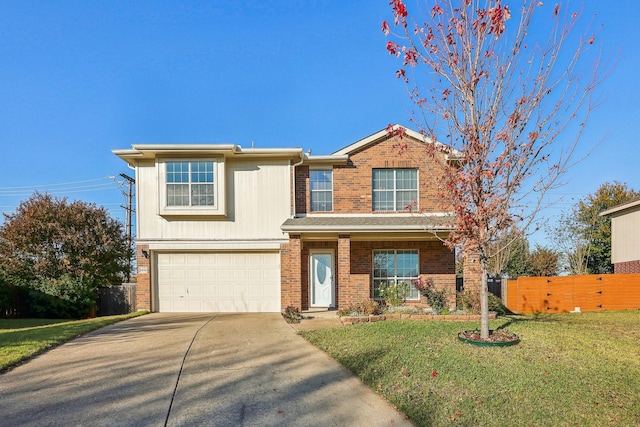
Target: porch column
(291, 273)
(344, 289)
(472, 271)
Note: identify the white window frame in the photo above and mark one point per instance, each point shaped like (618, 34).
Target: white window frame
(414, 295)
(395, 190)
(219, 202)
(312, 191)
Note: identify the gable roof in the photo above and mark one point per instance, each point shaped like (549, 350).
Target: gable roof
(452, 153)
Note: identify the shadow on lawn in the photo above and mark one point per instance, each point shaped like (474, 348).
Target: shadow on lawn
(520, 318)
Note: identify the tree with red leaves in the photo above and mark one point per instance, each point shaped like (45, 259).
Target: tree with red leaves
(500, 99)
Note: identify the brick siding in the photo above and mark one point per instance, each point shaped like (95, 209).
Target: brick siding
(352, 183)
(143, 286)
(354, 268)
(627, 267)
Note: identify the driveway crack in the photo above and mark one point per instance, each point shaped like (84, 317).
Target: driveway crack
(184, 359)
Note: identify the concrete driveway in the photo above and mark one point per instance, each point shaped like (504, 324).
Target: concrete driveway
(190, 370)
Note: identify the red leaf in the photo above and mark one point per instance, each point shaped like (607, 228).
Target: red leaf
(385, 27)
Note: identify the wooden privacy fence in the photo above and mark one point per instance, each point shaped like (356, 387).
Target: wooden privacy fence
(561, 294)
(116, 299)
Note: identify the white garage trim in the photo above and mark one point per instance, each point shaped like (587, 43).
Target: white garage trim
(218, 281)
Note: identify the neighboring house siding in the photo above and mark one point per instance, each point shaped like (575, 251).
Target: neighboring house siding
(625, 237)
(626, 267)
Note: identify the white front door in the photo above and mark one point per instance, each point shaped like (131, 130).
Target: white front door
(322, 279)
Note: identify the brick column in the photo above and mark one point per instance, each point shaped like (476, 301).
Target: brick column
(344, 288)
(291, 273)
(472, 272)
(143, 277)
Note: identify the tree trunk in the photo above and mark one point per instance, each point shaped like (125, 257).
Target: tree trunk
(484, 302)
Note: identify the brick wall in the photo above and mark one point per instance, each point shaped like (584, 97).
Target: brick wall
(627, 267)
(436, 262)
(290, 273)
(143, 292)
(472, 271)
(352, 182)
(302, 194)
(354, 268)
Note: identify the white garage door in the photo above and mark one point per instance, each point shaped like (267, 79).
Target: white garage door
(219, 282)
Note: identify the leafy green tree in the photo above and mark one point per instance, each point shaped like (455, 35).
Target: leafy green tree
(543, 262)
(518, 264)
(597, 229)
(584, 237)
(63, 250)
(508, 254)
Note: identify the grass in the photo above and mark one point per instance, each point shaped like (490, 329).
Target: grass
(22, 339)
(570, 369)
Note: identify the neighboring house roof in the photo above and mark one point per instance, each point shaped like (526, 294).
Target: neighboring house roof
(378, 223)
(452, 153)
(630, 205)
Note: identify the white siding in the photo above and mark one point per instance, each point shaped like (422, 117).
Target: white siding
(625, 237)
(258, 202)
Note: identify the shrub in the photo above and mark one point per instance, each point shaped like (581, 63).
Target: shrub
(292, 314)
(363, 308)
(437, 299)
(64, 298)
(469, 301)
(6, 296)
(394, 293)
(495, 304)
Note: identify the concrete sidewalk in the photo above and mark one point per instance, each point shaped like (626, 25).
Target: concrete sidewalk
(188, 370)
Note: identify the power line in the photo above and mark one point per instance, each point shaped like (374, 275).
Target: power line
(61, 183)
(82, 186)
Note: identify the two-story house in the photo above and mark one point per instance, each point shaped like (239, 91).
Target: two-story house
(224, 228)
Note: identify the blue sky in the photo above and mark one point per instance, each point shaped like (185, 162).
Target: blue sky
(78, 79)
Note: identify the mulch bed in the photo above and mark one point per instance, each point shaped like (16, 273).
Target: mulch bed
(494, 336)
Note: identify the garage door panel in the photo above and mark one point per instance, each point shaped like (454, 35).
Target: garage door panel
(219, 282)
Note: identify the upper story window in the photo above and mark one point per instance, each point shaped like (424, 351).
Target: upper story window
(321, 184)
(191, 186)
(394, 189)
(190, 183)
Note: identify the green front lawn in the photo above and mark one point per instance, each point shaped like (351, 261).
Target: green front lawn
(569, 369)
(21, 339)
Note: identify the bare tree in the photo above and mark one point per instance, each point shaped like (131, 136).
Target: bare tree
(571, 243)
(489, 91)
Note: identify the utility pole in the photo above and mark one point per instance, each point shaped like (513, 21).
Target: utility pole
(129, 225)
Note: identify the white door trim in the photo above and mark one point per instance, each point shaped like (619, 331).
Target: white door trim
(331, 301)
